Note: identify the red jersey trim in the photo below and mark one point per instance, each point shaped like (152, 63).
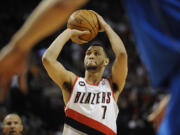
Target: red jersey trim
(89, 122)
(111, 88)
(92, 83)
(73, 87)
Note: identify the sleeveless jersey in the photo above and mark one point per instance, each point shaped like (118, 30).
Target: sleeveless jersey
(91, 109)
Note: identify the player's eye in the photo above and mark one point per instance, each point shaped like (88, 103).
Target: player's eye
(88, 53)
(96, 53)
(8, 123)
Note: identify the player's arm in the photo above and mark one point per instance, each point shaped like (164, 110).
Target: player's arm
(55, 69)
(120, 65)
(157, 115)
(45, 19)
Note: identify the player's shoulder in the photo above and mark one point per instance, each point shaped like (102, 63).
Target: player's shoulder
(78, 79)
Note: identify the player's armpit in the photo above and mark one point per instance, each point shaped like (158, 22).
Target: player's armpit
(67, 86)
(58, 73)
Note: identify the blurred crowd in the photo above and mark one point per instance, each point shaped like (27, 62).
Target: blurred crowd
(42, 108)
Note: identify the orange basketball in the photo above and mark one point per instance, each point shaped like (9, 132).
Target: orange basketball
(84, 20)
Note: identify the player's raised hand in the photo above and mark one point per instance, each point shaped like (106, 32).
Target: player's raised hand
(102, 22)
(76, 36)
(157, 115)
(12, 62)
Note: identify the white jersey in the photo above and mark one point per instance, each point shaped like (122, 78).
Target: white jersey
(91, 109)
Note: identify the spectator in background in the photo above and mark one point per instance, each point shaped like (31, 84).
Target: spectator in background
(12, 125)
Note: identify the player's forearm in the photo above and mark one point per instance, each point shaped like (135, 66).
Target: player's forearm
(116, 42)
(44, 20)
(163, 104)
(55, 48)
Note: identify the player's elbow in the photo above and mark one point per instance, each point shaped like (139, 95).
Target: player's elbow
(123, 56)
(45, 60)
(123, 60)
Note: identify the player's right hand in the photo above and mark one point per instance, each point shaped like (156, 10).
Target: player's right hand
(75, 35)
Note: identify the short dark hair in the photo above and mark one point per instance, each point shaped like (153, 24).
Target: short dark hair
(98, 43)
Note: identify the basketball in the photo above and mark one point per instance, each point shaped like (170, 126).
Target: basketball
(84, 20)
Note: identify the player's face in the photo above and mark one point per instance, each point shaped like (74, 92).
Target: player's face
(12, 125)
(95, 57)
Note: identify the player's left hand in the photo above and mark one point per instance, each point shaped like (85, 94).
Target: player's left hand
(12, 62)
(102, 22)
(76, 34)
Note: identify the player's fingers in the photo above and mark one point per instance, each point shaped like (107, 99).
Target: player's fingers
(5, 82)
(94, 12)
(101, 21)
(79, 32)
(101, 29)
(78, 40)
(84, 32)
(22, 80)
(99, 16)
(22, 75)
(150, 118)
(83, 41)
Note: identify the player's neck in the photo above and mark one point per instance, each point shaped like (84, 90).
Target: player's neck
(93, 77)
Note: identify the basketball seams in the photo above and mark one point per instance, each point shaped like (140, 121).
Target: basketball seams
(83, 20)
(77, 14)
(92, 16)
(91, 30)
(78, 26)
(87, 21)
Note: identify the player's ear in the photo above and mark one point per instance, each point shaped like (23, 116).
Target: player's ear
(21, 128)
(106, 61)
(3, 129)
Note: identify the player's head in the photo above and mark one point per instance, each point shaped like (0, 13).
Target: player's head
(12, 125)
(95, 57)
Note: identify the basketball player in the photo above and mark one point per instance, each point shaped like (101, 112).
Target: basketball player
(47, 18)
(12, 125)
(91, 100)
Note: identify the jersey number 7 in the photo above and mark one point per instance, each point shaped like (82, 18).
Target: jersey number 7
(104, 113)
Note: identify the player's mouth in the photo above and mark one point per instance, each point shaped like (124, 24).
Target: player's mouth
(12, 132)
(91, 61)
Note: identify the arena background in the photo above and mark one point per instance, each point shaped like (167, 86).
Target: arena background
(42, 109)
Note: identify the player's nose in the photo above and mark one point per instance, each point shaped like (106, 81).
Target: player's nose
(12, 126)
(91, 56)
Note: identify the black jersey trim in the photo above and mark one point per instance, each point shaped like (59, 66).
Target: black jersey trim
(81, 127)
